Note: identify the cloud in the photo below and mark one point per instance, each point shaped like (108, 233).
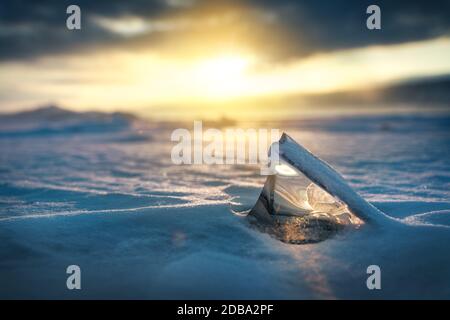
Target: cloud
(30, 28)
(278, 30)
(129, 26)
(312, 26)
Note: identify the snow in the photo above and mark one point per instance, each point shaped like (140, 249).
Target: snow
(106, 197)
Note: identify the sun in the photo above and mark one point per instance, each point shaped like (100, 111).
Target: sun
(223, 76)
(224, 67)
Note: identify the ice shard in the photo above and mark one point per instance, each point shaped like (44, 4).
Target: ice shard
(307, 200)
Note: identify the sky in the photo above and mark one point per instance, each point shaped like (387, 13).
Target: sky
(180, 58)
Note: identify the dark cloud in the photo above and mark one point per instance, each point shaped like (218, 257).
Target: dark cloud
(281, 29)
(309, 26)
(32, 28)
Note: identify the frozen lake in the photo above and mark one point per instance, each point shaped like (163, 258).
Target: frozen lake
(101, 192)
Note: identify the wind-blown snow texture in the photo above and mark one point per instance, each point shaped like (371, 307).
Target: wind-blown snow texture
(101, 192)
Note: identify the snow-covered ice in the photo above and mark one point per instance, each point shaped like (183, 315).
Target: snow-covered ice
(100, 191)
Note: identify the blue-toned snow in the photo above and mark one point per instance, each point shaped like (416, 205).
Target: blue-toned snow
(101, 192)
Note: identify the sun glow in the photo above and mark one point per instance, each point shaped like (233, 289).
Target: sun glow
(235, 83)
(222, 76)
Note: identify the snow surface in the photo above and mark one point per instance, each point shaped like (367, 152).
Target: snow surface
(101, 192)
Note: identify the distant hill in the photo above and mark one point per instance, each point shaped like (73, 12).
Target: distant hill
(421, 91)
(424, 90)
(55, 120)
(55, 113)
